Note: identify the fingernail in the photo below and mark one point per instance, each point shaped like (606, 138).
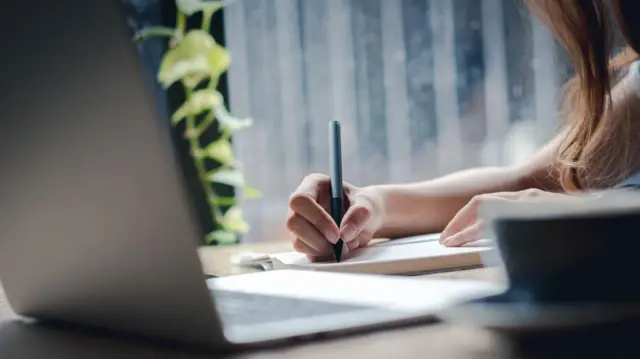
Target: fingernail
(348, 232)
(451, 241)
(332, 237)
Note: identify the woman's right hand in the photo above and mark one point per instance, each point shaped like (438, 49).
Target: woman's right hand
(311, 224)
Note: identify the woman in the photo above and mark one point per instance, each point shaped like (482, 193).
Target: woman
(599, 148)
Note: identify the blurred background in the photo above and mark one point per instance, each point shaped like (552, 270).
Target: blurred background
(422, 88)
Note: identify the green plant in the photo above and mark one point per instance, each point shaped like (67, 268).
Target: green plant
(195, 60)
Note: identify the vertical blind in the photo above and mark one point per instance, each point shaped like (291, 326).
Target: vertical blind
(422, 88)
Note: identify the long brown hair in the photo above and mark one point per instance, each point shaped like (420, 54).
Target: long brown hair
(596, 147)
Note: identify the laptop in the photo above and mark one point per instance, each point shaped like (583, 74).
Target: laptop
(96, 226)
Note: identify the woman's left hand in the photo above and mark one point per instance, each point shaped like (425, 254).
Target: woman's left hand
(467, 227)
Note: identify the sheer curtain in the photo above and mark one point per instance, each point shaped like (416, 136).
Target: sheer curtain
(422, 88)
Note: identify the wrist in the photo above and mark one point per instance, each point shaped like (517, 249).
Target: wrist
(382, 196)
(413, 209)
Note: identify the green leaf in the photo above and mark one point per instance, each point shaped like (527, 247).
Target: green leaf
(225, 201)
(227, 176)
(195, 57)
(220, 151)
(222, 237)
(229, 122)
(190, 7)
(219, 58)
(233, 221)
(192, 81)
(153, 31)
(251, 193)
(175, 67)
(200, 101)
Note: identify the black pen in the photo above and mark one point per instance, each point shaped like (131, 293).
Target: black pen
(335, 164)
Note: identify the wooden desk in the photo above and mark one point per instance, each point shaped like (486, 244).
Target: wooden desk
(19, 340)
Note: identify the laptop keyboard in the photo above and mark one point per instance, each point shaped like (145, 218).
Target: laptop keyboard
(242, 308)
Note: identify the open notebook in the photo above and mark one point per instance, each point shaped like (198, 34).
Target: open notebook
(401, 256)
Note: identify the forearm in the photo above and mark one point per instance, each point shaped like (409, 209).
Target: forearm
(427, 207)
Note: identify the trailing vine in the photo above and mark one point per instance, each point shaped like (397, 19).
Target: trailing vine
(197, 61)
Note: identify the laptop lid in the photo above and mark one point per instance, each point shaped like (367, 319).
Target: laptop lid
(95, 227)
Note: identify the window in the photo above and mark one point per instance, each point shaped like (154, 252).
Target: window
(422, 88)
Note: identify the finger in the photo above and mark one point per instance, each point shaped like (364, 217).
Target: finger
(528, 194)
(463, 219)
(318, 187)
(345, 251)
(356, 218)
(305, 205)
(467, 235)
(364, 238)
(323, 258)
(324, 197)
(534, 193)
(314, 259)
(353, 245)
(312, 184)
(301, 247)
(328, 257)
(308, 234)
(324, 201)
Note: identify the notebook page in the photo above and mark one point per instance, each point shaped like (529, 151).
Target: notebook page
(385, 253)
